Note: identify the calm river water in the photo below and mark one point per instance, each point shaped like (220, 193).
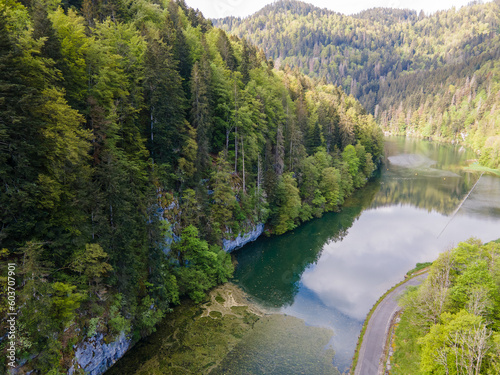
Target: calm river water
(329, 272)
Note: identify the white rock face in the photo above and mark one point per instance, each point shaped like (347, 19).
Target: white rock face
(242, 239)
(95, 357)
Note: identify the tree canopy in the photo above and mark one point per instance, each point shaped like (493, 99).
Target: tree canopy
(431, 76)
(134, 138)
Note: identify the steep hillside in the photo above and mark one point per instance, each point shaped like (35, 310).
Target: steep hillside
(450, 325)
(403, 67)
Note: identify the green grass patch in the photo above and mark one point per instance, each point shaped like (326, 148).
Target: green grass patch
(406, 358)
(240, 310)
(419, 267)
(365, 324)
(219, 298)
(481, 168)
(215, 314)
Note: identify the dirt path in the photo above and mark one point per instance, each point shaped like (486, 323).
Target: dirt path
(370, 361)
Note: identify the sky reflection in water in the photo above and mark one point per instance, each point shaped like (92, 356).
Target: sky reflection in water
(332, 270)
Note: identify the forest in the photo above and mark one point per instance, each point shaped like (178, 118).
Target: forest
(435, 76)
(134, 138)
(450, 324)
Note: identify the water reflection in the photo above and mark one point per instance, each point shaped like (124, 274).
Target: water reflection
(271, 269)
(485, 200)
(330, 271)
(442, 196)
(433, 180)
(384, 240)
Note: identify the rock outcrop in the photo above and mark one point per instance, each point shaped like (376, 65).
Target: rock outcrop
(94, 356)
(242, 239)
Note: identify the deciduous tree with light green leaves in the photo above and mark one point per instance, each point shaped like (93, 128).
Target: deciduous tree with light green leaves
(453, 314)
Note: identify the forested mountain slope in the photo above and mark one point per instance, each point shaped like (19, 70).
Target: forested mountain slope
(118, 115)
(434, 76)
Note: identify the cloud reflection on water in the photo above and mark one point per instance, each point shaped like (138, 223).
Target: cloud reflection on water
(385, 242)
(351, 274)
(331, 271)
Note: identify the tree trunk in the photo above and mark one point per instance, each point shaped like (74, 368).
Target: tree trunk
(235, 130)
(236, 149)
(258, 174)
(243, 159)
(152, 141)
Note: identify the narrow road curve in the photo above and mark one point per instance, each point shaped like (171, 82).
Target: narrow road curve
(370, 361)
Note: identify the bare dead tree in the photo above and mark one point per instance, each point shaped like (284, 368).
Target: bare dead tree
(441, 357)
(478, 302)
(470, 347)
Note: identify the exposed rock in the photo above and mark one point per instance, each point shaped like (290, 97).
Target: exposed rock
(242, 239)
(94, 356)
(170, 238)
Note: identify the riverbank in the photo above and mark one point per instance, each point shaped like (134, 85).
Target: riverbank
(194, 338)
(475, 167)
(329, 271)
(367, 356)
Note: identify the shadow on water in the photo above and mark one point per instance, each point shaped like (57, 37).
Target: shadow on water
(270, 269)
(330, 277)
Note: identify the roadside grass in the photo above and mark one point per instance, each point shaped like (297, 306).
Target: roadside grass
(370, 313)
(481, 168)
(406, 357)
(419, 267)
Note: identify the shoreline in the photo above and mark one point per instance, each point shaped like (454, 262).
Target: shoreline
(360, 348)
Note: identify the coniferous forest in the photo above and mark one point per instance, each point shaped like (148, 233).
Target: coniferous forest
(134, 137)
(434, 76)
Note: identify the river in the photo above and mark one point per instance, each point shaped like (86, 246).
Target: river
(329, 272)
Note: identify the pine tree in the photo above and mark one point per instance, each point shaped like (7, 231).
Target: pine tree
(165, 97)
(245, 63)
(200, 112)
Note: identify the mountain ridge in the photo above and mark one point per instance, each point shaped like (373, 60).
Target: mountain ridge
(372, 57)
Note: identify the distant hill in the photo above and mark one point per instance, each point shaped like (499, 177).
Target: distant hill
(435, 76)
